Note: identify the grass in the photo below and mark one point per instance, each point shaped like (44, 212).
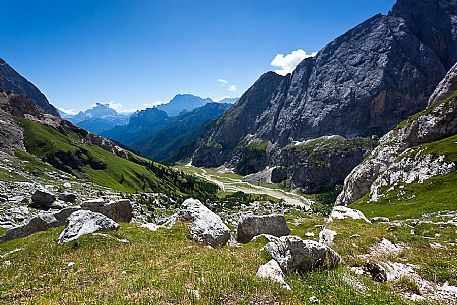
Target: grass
(162, 267)
(317, 150)
(63, 148)
(416, 199)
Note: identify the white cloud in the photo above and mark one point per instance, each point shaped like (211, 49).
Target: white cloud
(287, 63)
(68, 111)
(222, 81)
(232, 88)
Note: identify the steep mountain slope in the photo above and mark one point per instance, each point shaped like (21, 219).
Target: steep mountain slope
(11, 80)
(363, 83)
(183, 103)
(414, 163)
(163, 138)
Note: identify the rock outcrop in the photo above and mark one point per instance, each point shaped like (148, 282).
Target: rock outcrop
(205, 226)
(363, 83)
(394, 160)
(294, 254)
(11, 80)
(250, 226)
(85, 222)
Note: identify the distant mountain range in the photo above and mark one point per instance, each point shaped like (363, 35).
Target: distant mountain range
(165, 138)
(98, 119)
(183, 103)
(101, 117)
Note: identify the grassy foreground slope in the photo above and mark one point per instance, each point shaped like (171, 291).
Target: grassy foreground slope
(162, 267)
(64, 149)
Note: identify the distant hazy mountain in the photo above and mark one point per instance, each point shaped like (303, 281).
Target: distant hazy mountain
(229, 100)
(183, 102)
(166, 138)
(11, 80)
(98, 119)
(142, 124)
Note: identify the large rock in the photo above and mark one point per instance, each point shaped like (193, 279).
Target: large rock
(118, 210)
(42, 199)
(342, 212)
(85, 222)
(67, 197)
(41, 222)
(273, 272)
(250, 226)
(295, 254)
(205, 226)
(363, 83)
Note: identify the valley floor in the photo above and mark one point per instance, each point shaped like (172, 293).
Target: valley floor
(230, 183)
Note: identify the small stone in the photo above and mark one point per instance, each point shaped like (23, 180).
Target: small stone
(326, 237)
(273, 272)
(314, 300)
(71, 264)
(7, 263)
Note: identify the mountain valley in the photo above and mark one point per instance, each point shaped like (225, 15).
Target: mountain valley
(333, 184)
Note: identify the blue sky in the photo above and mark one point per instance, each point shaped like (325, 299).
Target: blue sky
(141, 52)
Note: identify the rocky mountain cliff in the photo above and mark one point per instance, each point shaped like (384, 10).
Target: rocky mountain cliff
(412, 151)
(363, 83)
(11, 80)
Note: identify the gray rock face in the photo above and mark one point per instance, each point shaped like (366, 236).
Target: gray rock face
(318, 165)
(43, 199)
(363, 83)
(294, 254)
(85, 222)
(67, 197)
(386, 165)
(250, 226)
(41, 222)
(119, 210)
(11, 80)
(205, 226)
